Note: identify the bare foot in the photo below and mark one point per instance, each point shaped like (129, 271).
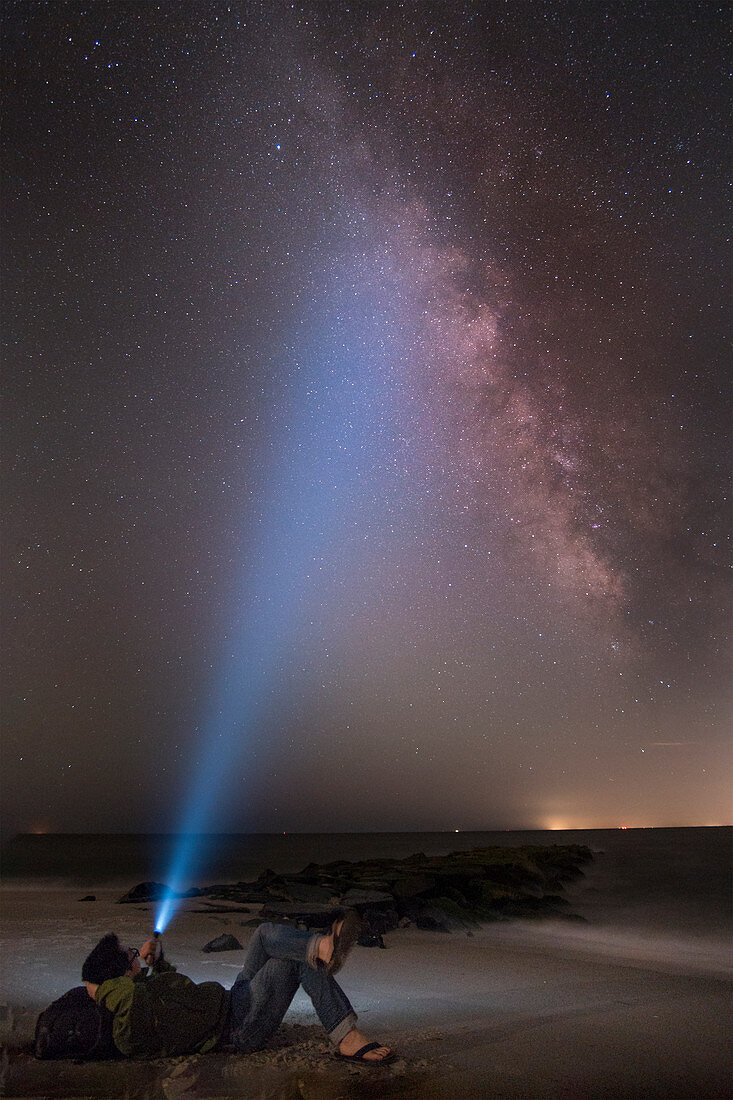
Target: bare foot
(355, 1040)
(325, 946)
(334, 947)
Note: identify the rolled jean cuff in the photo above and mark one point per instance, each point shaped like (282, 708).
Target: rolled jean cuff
(342, 1030)
(311, 951)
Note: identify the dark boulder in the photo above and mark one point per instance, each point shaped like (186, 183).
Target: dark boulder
(308, 893)
(413, 885)
(365, 899)
(317, 916)
(439, 915)
(225, 942)
(147, 891)
(240, 892)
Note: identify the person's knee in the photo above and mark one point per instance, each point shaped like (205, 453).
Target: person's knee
(282, 975)
(283, 968)
(260, 937)
(265, 930)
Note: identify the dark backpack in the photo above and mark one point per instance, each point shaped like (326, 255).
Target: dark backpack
(75, 1026)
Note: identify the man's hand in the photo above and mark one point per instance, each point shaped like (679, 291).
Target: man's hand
(150, 950)
(92, 989)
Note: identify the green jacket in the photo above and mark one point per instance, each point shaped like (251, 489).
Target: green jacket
(164, 1013)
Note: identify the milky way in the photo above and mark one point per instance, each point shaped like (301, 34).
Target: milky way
(399, 330)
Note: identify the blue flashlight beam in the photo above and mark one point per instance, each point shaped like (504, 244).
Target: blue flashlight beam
(337, 441)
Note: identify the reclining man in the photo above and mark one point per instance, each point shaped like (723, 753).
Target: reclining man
(162, 1013)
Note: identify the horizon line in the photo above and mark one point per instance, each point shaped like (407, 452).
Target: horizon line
(364, 832)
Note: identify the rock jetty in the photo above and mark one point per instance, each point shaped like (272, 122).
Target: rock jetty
(440, 893)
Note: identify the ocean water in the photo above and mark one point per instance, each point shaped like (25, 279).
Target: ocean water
(671, 880)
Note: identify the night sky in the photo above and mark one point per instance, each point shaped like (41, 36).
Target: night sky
(365, 415)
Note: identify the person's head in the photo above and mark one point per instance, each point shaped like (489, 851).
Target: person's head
(109, 959)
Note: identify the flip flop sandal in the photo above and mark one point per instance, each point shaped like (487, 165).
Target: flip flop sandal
(359, 1056)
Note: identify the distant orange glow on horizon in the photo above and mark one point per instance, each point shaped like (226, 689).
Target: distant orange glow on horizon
(559, 823)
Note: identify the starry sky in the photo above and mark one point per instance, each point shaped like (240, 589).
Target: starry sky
(365, 415)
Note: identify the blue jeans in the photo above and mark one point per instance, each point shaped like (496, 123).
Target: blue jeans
(279, 959)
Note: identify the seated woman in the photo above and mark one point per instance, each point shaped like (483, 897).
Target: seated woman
(161, 1013)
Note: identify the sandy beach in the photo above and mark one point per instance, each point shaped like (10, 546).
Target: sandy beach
(515, 1009)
